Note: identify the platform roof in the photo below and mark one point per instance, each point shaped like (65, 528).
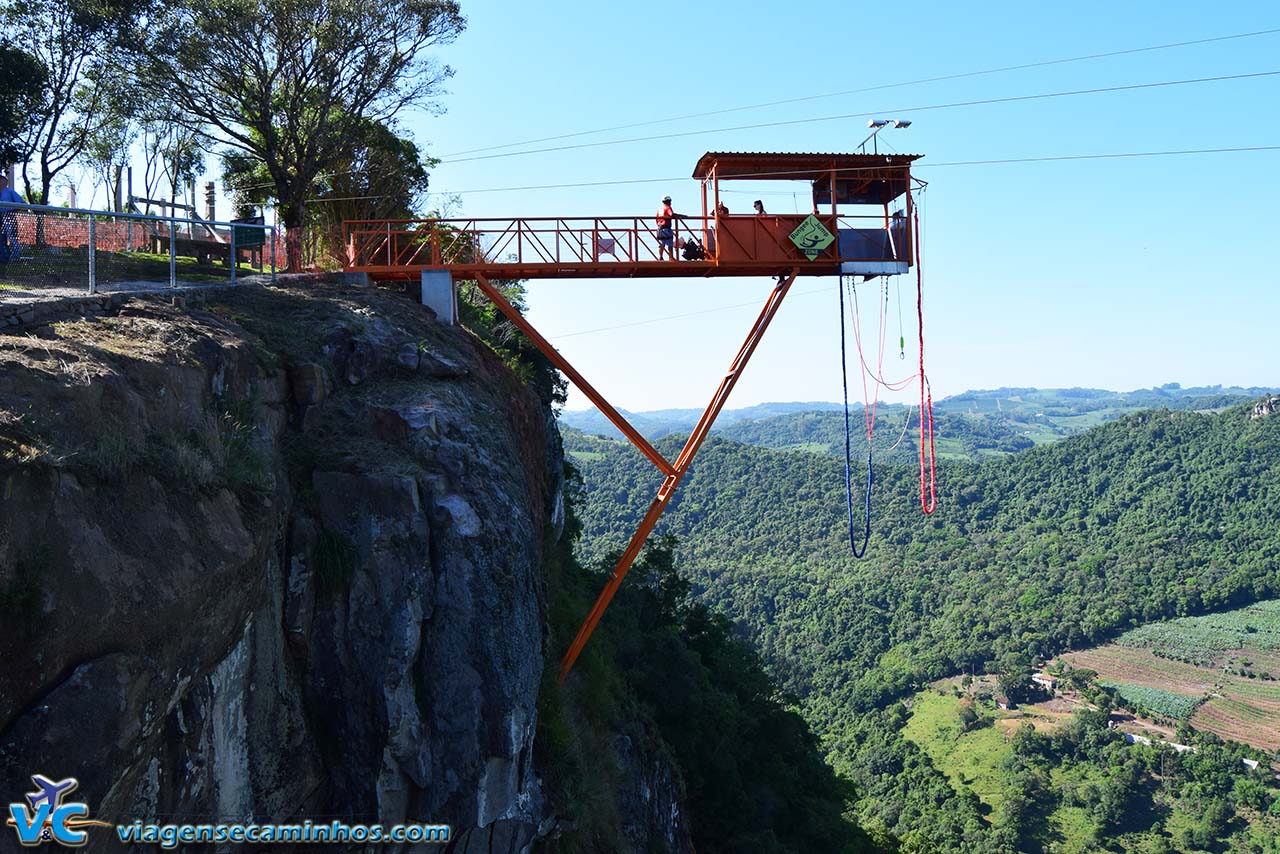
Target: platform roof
(791, 166)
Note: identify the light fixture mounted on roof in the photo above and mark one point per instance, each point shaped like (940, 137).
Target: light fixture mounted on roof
(876, 126)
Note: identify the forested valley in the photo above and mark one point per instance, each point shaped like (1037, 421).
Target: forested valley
(1153, 515)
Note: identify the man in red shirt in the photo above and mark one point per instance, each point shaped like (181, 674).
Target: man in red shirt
(666, 235)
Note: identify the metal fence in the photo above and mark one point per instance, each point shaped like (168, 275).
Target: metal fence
(70, 250)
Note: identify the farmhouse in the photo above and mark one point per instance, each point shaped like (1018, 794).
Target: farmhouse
(1044, 680)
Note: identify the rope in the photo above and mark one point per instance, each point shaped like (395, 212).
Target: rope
(929, 499)
(876, 375)
(902, 340)
(906, 422)
(848, 441)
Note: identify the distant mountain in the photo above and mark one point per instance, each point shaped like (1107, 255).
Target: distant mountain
(969, 426)
(655, 424)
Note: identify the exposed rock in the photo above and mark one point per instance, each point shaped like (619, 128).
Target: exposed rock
(307, 383)
(309, 418)
(407, 356)
(437, 366)
(190, 631)
(650, 802)
(1265, 407)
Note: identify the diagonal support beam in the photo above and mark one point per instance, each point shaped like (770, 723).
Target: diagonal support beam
(578, 380)
(691, 446)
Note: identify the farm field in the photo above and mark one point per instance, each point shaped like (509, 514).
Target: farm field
(1244, 639)
(1221, 664)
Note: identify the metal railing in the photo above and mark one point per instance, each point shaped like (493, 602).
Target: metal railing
(45, 248)
(599, 242)
(569, 240)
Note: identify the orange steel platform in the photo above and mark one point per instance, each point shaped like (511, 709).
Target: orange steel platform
(825, 242)
(610, 247)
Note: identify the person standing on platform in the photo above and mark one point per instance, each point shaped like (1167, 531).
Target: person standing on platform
(666, 231)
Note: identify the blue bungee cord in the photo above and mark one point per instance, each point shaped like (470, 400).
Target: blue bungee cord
(848, 449)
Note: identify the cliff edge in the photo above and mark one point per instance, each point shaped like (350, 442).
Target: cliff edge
(276, 554)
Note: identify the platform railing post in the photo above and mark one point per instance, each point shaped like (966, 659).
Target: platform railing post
(93, 253)
(173, 249)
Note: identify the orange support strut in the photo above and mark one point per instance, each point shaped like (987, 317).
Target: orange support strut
(682, 464)
(675, 473)
(563, 364)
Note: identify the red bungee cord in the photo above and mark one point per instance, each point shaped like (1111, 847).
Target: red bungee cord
(928, 491)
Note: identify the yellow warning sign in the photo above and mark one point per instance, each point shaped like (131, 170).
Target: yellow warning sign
(811, 236)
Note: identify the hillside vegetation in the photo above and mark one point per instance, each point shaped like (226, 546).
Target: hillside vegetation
(1154, 515)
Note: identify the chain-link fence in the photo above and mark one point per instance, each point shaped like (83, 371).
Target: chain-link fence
(47, 250)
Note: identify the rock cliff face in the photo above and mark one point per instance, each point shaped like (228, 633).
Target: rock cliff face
(275, 556)
(1266, 406)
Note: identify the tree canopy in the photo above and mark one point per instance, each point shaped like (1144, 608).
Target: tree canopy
(23, 80)
(74, 41)
(291, 83)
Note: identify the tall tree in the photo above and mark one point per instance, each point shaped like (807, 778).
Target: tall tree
(381, 175)
(110, 141)
(74, 41)
(291, 83)
(23, 80)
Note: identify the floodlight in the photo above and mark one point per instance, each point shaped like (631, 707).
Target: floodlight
(878, 125)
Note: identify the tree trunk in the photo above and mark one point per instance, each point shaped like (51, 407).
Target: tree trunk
(294, 214)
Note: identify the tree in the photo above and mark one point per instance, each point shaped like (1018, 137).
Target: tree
(23, 79)
(381, 175)
(73, 40)
(968, 717)
(290, 83)
(110, 141)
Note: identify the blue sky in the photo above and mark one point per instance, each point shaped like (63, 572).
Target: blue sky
(1113, 273)
(1116, 273)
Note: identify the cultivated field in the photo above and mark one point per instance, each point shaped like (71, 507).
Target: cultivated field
(1219, 668)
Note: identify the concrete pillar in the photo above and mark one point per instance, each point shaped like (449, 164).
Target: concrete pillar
(209, 199)
(439, 295)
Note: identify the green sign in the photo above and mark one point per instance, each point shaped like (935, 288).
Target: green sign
(248, 237)
(811, 236)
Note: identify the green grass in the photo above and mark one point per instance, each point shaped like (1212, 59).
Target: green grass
(1074, 824)
(1241, 711)
(970, 760)
(1077, 829)
(592, 456)
(48, 268)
